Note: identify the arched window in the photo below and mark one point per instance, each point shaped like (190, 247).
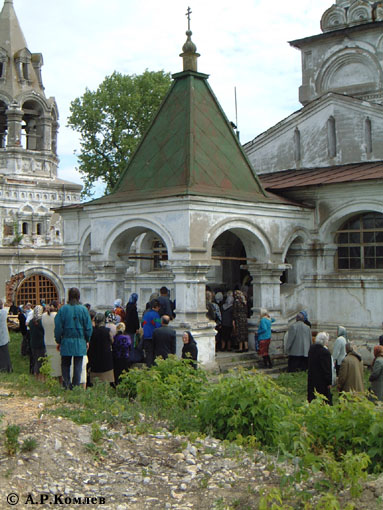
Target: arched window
(360, 242)
(39, 229)
(25, 228)
(35, 289)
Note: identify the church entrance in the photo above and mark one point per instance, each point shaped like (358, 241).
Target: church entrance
(35, 289)
(229, 250)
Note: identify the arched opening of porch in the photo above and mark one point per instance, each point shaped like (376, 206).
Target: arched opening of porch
(229, 254)
(137, 262)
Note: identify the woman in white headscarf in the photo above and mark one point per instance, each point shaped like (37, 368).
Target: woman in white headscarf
(5, 360)
(339, 351)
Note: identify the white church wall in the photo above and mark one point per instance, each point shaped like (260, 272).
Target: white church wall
(275, 150)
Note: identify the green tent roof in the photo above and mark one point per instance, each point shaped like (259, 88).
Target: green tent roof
(189, 149)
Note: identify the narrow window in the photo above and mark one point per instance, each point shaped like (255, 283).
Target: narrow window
(368, 135)
(297, 145)
(25, 71)
(25, 228)
(331, 137)
(39, 229)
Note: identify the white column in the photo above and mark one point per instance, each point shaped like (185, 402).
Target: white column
(266, 294)
(190, 293)
(15, 117)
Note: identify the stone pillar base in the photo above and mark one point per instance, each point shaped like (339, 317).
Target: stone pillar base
(204, 334)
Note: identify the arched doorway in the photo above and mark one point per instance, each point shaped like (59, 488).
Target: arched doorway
(229, 250)
(35, 289)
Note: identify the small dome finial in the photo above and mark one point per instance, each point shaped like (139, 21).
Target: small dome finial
(189, 49)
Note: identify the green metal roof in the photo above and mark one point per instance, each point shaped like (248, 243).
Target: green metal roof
(189, 149)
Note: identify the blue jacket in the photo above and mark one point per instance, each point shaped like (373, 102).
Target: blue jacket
(150, 321)
(73, 329)
(264, 328)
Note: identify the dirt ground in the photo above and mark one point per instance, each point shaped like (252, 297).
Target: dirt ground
(128, 471)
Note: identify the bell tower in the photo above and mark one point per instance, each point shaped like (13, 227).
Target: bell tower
(28, 120)
(30, 191)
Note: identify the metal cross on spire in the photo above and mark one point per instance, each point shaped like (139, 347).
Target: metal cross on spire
(189, 11)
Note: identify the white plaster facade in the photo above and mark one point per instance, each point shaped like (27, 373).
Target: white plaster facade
(189, 227)
(340, 124)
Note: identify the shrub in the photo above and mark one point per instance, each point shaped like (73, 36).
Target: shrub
(170, 383)
(245, 403)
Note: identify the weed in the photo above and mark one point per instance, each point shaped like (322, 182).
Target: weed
(204, 482)
(12, 433)
(96, 450)
(97, 434)
(29, 444)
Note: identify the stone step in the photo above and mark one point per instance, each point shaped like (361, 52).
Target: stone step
(232, 361)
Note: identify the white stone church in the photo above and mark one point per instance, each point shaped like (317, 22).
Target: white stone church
(299, 210)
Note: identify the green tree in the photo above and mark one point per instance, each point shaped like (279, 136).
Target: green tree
(111, 122)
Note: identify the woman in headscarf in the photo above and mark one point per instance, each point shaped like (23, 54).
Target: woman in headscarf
(111, 322)
(118, 310)
(339, 350)
(306, 318)
(100, 356)
(319, 377)
(227, 322)
(132, 322)
(5, 360)
(121, 351)
(189, 350)
(240, 327)
(376, 377)
(37, 340)
(264, 337)
(48, 323)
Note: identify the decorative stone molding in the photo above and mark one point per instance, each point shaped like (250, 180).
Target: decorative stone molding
(333, 19)
(350, 68)
(359, 12)
(348, 13)
(378, 15)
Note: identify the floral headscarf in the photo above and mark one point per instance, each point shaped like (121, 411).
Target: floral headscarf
(38, 312)
(239, 295)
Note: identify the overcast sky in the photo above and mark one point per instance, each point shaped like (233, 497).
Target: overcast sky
(243, 44)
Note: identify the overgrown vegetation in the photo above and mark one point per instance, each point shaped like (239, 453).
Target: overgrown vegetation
(334, 446)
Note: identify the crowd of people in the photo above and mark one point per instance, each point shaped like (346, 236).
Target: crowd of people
(82, 346)
(343, 369)
(229, 311)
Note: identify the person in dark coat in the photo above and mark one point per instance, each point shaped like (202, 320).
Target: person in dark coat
(164, 339)
(189, 350)
(165, 303)
(132, 322)
(100, 357)
(122, 345)
(319, 368)
(37, 341)
(227, 322)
